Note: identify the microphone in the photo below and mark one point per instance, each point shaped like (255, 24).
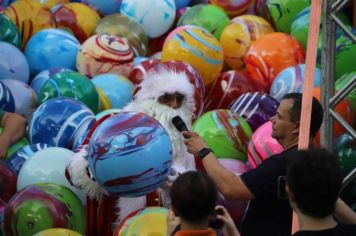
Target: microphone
(179, 124)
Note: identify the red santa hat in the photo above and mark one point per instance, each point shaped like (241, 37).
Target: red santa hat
(162, 81)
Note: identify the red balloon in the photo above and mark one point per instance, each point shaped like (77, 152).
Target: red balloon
(8, 180)
(226, 88)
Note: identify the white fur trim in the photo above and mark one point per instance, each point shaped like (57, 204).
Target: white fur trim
(77, 169)
(155, 84)
(126, 206)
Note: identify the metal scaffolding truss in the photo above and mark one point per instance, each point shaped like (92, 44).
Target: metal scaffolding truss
(328, 97)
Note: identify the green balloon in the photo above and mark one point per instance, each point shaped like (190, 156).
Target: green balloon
(43, 206)
(283, 12)
(9, 32)
(342, 81)
(345, 55)
(211, 17)
(300, 26)
(226, 133)
(70, 85)
(16, 146)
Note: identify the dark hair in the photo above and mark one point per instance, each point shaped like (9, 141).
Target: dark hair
(317, 112)
(314, 177)
(193, 195)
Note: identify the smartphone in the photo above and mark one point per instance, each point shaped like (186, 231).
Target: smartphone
(216, 223)
(282, 194)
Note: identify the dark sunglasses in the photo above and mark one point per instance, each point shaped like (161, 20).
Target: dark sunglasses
(169, 97)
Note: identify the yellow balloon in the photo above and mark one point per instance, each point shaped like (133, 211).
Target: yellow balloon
(197, 47)
(237, 37)
(48, 3)
(152, 221)
(29, 17)
(57, 232)
(80, 19)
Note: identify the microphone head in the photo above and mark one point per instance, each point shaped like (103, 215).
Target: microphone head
(179, 124)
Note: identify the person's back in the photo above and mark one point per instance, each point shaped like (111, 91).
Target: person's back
(313, 186)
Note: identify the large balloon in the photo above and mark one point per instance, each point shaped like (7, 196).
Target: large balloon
(346, 150)
(130, 154)
(24, 96)
(196, 46)
(78, 18)
(70, 85)
(210, 17)
(283, 12)
(57, 232)
(51, 48)
(239, 34)
(29, 17)
(226, 133)
(8, 180)
(43, 206)
(47, 165)
(61, 122)
(13, 63)
(126, 28)
(7, 102)
(106, 7)
(150, 221)
(342, 81)
(344, 109)
(257, 108)
(227, 87)
(233, 7)
(291, 80)
(115, 91)
(43, 76)
(266, 58)
(262, 145)
(156, 19)
(9, 32)
(17, 159)
(105, 53)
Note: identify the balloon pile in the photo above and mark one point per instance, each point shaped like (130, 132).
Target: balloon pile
(70, 66)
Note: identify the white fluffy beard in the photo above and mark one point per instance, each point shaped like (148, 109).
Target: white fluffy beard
(182, 160)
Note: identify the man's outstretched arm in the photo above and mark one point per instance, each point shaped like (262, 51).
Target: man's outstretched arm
(14, 128)
(230, 185)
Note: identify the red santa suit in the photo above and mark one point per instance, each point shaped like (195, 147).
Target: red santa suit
(104, 211)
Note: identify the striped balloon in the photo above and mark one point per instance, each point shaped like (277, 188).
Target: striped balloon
(257, 108)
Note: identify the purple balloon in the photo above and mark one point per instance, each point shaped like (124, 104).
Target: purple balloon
(257, 108)
(233, 165)
(8, 179)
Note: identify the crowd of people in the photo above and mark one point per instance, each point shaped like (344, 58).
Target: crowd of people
(313, 179)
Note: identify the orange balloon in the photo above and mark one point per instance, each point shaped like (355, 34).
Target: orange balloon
(270, 54)
(344, 109)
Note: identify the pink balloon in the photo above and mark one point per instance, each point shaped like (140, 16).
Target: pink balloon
(233, 165)
(262, 145)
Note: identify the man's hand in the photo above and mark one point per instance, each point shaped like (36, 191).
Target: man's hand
(4, 146)
(229, 227)
(194, 142)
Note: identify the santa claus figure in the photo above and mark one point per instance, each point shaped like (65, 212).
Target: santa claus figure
(163, 95)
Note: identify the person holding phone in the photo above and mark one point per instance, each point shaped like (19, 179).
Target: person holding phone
(266, 213)
(193, 210)
(313, 186)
